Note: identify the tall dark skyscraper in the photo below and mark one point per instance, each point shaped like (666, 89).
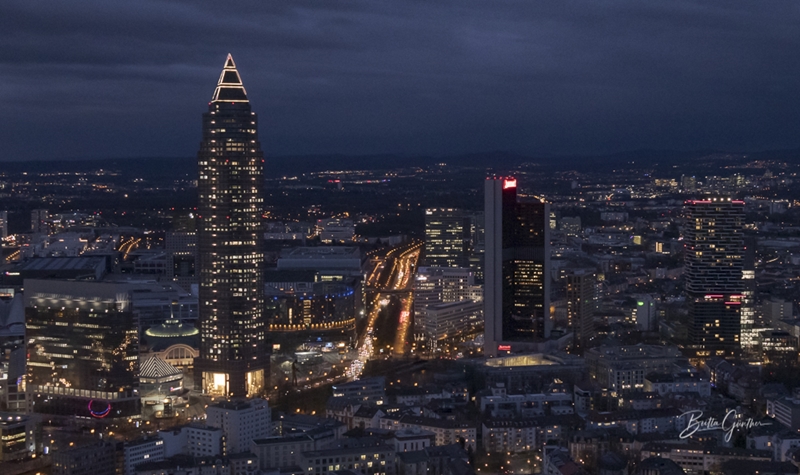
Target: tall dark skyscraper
(233, 358)
(581, 305)
(714, 264)
(517, 284)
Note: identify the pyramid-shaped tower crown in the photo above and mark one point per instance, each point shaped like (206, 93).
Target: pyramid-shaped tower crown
(229, 87)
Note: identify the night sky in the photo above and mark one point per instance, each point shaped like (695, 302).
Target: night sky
(105, 78)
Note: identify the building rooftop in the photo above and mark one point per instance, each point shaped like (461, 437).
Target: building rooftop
(350, 445)
(156, 368)
(417, 456)
(323, 252)
(521, 360)
(12, 316)
(634, 352)
(674, 377)
(283, 440)
(661, 465)
(440, 423)
(172, 329)
(62, 263)
(236, 405)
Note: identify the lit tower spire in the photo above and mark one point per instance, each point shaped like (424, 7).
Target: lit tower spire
(229, 87)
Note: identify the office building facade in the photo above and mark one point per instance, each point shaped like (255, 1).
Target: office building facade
(447, 237)
(97, 459)
(517, 283)
(581, 286)
(233, 358)
(83, 349)
(39, 220)
(181, 248)
(18, 436)
(449, 320)
(241, 422)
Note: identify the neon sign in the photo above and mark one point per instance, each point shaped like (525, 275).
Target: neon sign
(503, 347)
(101, 414)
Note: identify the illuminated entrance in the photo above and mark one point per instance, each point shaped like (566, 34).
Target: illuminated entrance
(255, 383)
(215, 384)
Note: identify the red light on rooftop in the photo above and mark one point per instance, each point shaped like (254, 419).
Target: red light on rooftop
(509, 183)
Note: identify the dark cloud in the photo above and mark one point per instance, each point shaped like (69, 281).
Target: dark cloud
(103, 78)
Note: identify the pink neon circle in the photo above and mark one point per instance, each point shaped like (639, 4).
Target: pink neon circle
(99, 415)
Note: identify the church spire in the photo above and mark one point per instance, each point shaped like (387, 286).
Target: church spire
(229, 87)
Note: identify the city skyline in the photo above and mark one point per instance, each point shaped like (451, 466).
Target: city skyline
(551, 307)
(366, 78)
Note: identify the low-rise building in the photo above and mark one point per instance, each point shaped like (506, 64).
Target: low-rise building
(141, 451)
(783, 444)
(336, 230)
(786, 410)
(623, 368)
(194, 440)
(365, 456)
(94, 459)
(639, 422)
(696, 459)
(293, 423)
(447, 431)
(342, 410)
(509, 435)
(17, 436)
(277, 452)
(456, 392)
(658, 466)
(674, 383)
(451, 319)
(556, 461)
(368, 417)
(238, 464)
(411, 440)
(364, 390)
(639, 401)
(241, 422)
(498, 402)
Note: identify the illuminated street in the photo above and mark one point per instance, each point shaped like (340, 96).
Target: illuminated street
(395, 283)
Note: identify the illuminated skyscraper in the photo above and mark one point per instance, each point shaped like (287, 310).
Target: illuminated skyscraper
(713, 268)
(749, 331)
(517, 284)
(233, 358)
(447, 237)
